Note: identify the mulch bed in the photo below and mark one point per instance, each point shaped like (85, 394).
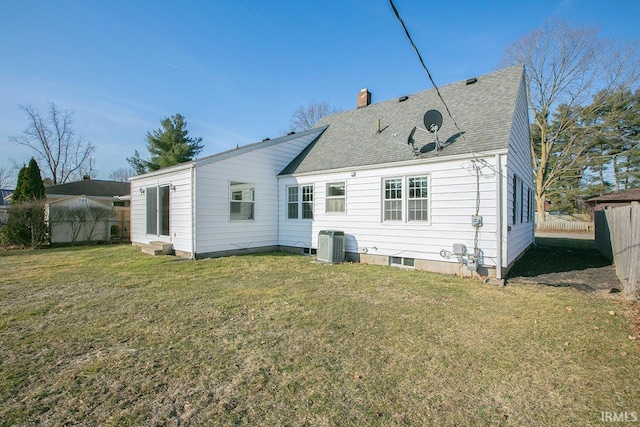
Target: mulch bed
(566, 263)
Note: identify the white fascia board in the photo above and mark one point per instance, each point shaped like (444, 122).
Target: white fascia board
(466, 156)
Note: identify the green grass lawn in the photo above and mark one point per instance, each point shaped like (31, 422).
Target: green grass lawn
(108, 336)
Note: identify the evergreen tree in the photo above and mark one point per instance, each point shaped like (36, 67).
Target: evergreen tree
(616, 150)
(25, 224)
(30, 185)
(17, 195)
(167, 146)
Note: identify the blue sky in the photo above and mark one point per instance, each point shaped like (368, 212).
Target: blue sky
(237, 70)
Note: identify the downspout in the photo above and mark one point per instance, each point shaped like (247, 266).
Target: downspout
(278, 212)
(193, 211)
(498, 218)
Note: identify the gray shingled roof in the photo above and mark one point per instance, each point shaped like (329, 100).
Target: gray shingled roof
(630, 195)
(90, 187)
(483, 110)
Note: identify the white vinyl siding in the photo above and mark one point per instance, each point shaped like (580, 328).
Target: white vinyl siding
(200, 203)
(451, 193)
(215, 233)
(176, 222)
(518, 232)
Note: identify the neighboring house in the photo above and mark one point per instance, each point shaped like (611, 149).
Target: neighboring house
(109, 193)
(78, 219)
(5, 203)
(87, 194)
(401, 204)
(614, 200)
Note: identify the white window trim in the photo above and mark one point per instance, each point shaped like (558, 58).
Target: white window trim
(326, 197)
(405, 201)
(157, 187)
(313, 201)
(288, 202)
(401, 199)
(230, 199)
(402, 263)
(300, 202)
(428, 199)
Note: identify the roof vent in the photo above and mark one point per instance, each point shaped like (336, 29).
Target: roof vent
(403, 98)
(266, 139)
(471, 81)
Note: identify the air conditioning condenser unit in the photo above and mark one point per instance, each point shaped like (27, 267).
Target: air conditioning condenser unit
(330, 246)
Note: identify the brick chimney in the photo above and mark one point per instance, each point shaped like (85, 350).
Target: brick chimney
(364, 98)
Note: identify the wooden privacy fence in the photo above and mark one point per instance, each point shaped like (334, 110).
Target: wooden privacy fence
(564, 226)
(122, 218)
(578, 222)
(618, 238)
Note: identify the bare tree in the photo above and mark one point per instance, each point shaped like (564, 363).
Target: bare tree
(96, 215)
(6, 177)
(60, 152)
(306, 116)
(121, 174)
(566, 66)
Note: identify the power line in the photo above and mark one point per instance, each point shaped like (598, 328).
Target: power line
(424, 66)
(435, 86)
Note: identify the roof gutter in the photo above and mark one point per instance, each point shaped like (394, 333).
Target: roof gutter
(465, 156)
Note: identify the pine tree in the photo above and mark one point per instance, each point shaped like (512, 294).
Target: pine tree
(168, 146)
(25, 224)
(616, 149)
(30, 186)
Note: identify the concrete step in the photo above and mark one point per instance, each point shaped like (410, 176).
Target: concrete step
(157, 248)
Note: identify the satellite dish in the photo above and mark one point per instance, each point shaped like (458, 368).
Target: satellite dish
(410, 140)
(432, 120)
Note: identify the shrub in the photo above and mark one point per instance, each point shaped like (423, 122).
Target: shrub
(25, 225)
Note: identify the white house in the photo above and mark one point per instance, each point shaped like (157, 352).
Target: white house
(65, 220)
(78, 218)
(456, 200)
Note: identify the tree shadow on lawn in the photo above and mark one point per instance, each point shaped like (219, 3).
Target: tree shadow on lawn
(565, 262)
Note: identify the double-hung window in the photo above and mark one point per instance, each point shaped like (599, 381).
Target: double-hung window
(418, 199)
(307, 202)
(300, 202)
(393, 199)
(241, 201)
(336, 197)
(415, 201)
(292, 202)
(157, 210)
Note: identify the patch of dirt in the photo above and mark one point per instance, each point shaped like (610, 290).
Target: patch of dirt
(635, 326)
(585, 269)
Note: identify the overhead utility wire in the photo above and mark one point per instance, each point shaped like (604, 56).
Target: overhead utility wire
(424, 66)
